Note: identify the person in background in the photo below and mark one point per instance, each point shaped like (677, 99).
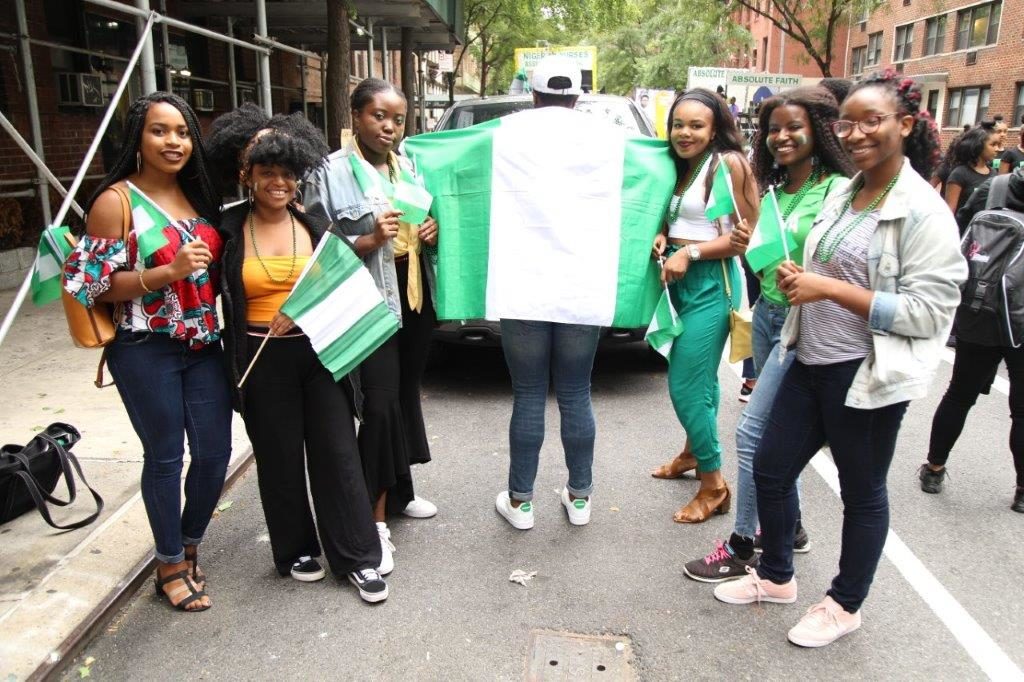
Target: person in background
(973, 155)
(1013, 157)
(839, 87)
(1001, 128)
(166, 357)
(734, 108)
(299, 420)
(868, 335)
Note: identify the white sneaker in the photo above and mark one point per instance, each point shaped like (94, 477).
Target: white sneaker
(387, 562)
(578, 509)
(824, 623)
(419, 508)
(520, 517)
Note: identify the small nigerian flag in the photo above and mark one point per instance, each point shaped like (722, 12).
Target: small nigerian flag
(665, 326)
(336, 303)
(721, 202)
(412, 200)
(48, 270)
(771, 242)
(148, 222)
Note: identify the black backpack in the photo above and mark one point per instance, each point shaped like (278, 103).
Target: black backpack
(991, 308)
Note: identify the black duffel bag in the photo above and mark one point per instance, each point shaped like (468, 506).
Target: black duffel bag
(29, 475)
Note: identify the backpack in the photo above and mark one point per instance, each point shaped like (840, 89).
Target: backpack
(991, 310)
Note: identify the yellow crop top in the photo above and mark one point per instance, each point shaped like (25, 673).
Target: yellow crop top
(263, 296)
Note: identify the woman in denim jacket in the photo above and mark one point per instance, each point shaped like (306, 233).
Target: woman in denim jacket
(352, 190)
(872, 308)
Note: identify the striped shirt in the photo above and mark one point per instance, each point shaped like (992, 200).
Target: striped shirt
(829, 333)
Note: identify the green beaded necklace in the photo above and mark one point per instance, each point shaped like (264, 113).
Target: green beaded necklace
(673, 208)
(829, 242)
(810, 182)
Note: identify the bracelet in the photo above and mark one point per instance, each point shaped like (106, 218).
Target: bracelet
(143, 283)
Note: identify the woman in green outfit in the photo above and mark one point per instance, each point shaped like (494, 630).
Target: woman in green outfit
(797, 155)
(699, 256)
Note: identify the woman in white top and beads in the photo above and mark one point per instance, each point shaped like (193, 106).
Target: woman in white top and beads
(702, 134)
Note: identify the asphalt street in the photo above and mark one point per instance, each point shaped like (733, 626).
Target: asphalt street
(946, 603)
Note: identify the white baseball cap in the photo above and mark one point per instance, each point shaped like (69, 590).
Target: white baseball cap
(557, 75)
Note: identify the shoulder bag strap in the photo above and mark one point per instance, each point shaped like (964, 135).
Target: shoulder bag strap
(728, 287)
(126, 225)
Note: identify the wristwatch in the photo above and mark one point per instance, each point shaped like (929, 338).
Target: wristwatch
(693, 252)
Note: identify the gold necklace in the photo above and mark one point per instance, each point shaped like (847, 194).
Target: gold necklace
(255, 250)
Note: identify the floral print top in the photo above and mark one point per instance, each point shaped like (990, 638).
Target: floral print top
(186, 309)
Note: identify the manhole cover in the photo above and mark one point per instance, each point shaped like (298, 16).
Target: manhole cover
(569, 656)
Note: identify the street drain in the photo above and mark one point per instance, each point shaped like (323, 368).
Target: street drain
(570, 656)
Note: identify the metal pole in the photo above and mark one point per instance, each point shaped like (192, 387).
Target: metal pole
(19, 299)
(302, 74)
(370, 70)
(232, 79)
(263, 60)
(422, 96)
(323, 88)
(385, 62)
(40, 165)
(33, 105)
(148, 63)
(166, 48)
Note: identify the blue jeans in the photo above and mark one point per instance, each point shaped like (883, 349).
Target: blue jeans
(536, 352)
(767, 328)
(810, 411)
(170, 391)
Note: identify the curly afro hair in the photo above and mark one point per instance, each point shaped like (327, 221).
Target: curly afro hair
(245, 136)
(921, 147)
(822, 109)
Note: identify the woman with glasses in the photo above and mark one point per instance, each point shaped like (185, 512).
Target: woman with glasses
(872, 306)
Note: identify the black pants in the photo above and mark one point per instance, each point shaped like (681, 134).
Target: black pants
(298, 418)
(810, 410)
(974, 370)
(413, 348)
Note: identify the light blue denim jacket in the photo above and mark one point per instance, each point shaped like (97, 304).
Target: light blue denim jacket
(915, 269)
(333, 192)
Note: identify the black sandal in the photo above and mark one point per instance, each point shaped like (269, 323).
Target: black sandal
(197, 573)
(183, 576)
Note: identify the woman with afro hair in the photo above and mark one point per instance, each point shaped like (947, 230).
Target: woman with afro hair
(872, 305)
(297, 417)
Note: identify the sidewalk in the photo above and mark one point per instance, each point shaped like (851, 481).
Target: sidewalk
(52, 582)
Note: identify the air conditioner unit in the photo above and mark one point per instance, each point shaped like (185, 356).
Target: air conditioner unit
(972, 58)
(899, 67)
(79, 89)
(246, 95)
(202, 100)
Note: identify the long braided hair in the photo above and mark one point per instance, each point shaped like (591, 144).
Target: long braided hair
(822, 109)
(921, 147)
(194, 177)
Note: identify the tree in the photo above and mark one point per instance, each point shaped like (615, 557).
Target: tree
(339, 46)
(812, 24)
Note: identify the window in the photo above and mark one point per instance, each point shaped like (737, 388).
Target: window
(764, 54)
(857, 63)
(967, 105)
(865, 13)
(874, 55)
(904, 43)
(934, 35)
(978, 26)
(933, 104)
(1018, 109)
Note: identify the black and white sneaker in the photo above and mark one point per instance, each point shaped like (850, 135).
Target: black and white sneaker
(371, 586)
(307, 570)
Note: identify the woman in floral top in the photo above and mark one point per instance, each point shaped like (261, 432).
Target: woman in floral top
(166, 357)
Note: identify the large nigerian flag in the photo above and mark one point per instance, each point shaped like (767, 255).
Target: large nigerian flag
(336, 303)
(547, 214)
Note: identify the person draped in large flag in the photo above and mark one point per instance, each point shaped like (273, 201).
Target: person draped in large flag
(298, 417)
(715, 190)
(166, 356)
(376, 201)
(799, 163)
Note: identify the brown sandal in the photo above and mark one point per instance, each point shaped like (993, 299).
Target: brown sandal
(195, 593)
(704, 504)
(679, 465)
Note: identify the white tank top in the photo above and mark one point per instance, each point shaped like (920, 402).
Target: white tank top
(692, 224)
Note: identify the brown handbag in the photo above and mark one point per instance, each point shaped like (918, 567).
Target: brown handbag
(95, 327)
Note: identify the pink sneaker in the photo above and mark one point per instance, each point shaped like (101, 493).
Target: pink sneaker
(751, 588)
(824, 623)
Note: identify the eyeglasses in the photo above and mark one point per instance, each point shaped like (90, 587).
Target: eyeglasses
(869, 125)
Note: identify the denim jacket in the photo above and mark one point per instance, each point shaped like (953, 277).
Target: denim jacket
(915, 269)
(332, 191)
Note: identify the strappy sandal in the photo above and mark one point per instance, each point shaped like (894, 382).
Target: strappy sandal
(183, 576)
(198, 577)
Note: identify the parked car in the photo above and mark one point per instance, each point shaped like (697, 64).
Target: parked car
(619, 110)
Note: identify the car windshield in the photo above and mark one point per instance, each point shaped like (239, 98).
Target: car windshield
(617, 111)
(614, 110)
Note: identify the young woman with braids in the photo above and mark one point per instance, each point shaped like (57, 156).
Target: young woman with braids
(352, 190)
(872, 306)
(166, 357)
(797, 154)
(298, 418)
(973, 155)
(699, 256)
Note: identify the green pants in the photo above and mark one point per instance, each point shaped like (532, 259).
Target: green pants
(702, 304)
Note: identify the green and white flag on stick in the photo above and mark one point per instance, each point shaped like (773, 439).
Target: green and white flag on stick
(48, 269)
(148, 222)
(546, 214)
(665, 325)
(722, 201)
(406, 195)
(771, 242)
(336, 303)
